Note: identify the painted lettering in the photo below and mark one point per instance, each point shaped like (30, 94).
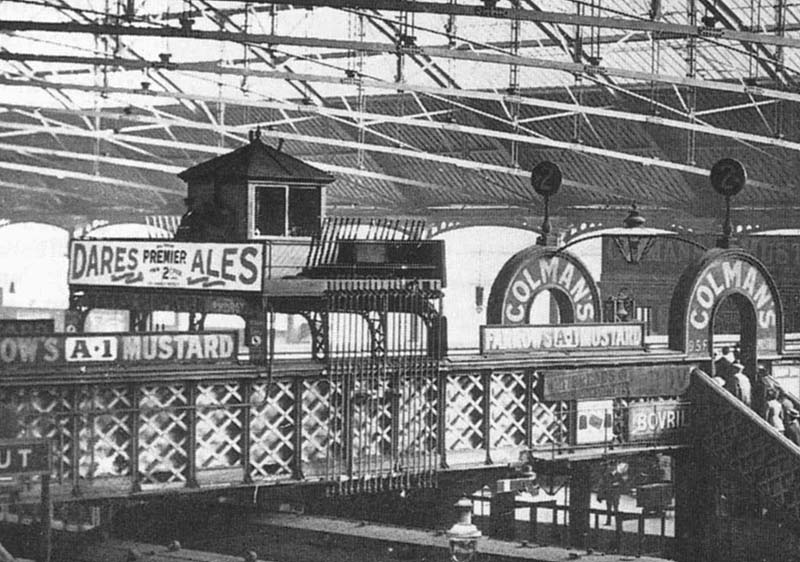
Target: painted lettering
(732, 273)
(521, 291)
(548, 272)
(548, 269)
(247, 258)
(186, 265)
(720, 278)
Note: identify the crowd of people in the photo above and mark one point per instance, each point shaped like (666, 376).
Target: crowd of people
(779, 410)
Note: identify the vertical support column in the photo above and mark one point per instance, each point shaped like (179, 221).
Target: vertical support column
(780, 31)
(133, 452)
(577, 57)
(191, 430)
(442, 420)
(580, 495)
(486, 379)
(513, 85)
(362, 98)
(347, 429)
(297, 415)
(694, 506)
(245, 415)
(46, 522)
(318, 326)
(400, 39)
(75, 431)
(529, 403)
(395, 413)
(691, 71)
(502, 515)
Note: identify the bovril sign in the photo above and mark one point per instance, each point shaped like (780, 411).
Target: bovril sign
(183, 265)
(159, 347)
(721, 277)
(654, 421)
(533, 271)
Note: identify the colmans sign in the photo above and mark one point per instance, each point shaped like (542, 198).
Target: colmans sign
(719, 278)
(159, 347)
(534, 270)
(182, 265)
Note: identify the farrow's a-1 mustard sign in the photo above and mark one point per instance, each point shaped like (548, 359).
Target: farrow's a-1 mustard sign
(127, 349)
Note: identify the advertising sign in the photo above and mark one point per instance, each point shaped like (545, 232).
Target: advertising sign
(726, 274)
(594, 421)
(167, 264)
(657, 420)
(24, 456)
(18, 327)
(159, 347)
(623, 380)
(562, 337)
(534, 270)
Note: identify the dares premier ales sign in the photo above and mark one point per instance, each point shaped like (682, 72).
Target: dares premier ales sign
(158, 263)
(126, 349)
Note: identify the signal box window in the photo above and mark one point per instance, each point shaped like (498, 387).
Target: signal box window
(280, 210)
(304, 211)
(270, 211)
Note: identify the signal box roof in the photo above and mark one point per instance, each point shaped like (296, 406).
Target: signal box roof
(257, 160)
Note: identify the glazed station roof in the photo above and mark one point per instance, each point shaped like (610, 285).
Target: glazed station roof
(441, 106)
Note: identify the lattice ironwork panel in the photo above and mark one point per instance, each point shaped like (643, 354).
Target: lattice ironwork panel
(219, 425)
(464, 413)
(45, 412)
(508, 409)
(10, 397)
(163, 433)
(106, 432)
(550, 420)
(734, 438)
(372, 424)
(323, 430)
(419, 423)
(272, 429)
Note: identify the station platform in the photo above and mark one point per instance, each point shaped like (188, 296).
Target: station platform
(370, 540)
(131, 551)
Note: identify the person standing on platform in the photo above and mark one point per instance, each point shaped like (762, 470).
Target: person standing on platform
(786, 403)
(741, 385)
(716, 376)
(760, 385)
(793, 426)
(774, 411)
(723, 365)
(611, 488)
(730, 354)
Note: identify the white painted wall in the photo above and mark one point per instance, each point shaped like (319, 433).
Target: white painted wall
(474, 257)
(33, 265)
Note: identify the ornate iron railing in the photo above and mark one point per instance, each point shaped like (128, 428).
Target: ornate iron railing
(742, 447)
(392, 428)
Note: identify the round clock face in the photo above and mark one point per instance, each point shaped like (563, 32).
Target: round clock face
(546, 178)
(728, 177)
